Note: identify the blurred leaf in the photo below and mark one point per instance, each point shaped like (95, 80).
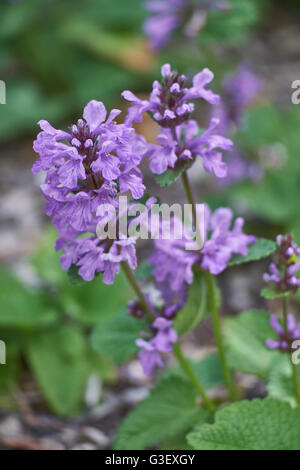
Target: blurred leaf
(272, 294)
(22, 308)
(116, 336)
(169, 410)
(245, 339)
(280, 383)
(57, 359)
(195, 308)
(262, 248)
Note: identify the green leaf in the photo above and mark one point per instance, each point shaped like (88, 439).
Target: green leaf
(270, 294)
(245, 339)
(280, 384)
(57, 359)
(170, 176)
(251, 425)
(262, 248)
(21, 307)
(92, 302)
(195, 309)
(207, 369)
(73, 275)
(169, 410)
(116, 336)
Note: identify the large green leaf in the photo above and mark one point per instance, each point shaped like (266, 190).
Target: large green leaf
(57, 359)
(170, 409)
(116, 336)
(262, 248)
(195, 308)
(245, 339)
(251, 425)
(21, 307)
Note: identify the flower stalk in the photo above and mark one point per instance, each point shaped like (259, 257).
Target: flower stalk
(189, 371)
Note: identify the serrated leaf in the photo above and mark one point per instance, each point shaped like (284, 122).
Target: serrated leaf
(270, 294)
(57, 359)
(169, 410)
(251, 425)
(262, 248)
(245, 340)
(116, 336)
(195, 309)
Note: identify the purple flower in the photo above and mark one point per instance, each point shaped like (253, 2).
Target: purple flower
(185, 143)
(165, 335)
(285, 338)
(169, 15)
(285, 265)
(170, 101)
(149, 356)
(174, 264)
(86, 168)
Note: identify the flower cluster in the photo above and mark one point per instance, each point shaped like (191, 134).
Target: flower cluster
(169, 15)
(179, 137)
(174, 264)
(285, 337)
(162, 342)
(285, 265)
(164, 305)
(85, 168)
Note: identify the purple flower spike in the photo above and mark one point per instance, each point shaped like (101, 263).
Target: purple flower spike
(286, 338)
(86, 168)
(170, 101)
(283, 270)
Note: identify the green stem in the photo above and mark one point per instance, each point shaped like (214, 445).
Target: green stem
(191, 200)
(212, 300)
(132, 281)
(189, 371)
(184, 363)
(295, 376)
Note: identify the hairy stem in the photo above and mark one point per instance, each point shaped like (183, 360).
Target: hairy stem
(189, 371)
(295, 376)
(212, 301)
(132, 281)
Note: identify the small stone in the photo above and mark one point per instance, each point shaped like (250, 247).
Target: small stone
(96, 436)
